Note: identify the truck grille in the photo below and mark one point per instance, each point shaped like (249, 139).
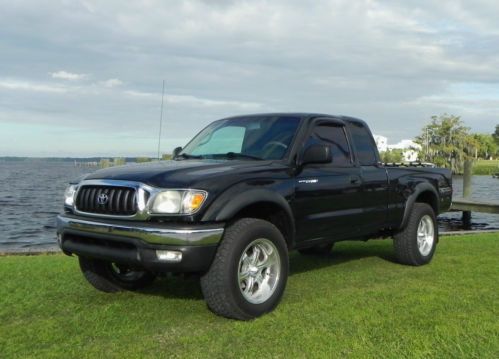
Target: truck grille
(110, 200)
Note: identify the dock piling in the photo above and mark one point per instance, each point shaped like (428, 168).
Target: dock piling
(467, 175)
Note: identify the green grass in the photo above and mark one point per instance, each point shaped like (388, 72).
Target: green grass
(486, 167)
(356, 303)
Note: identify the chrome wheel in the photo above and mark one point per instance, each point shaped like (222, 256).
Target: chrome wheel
(259, 271)
(425, 235)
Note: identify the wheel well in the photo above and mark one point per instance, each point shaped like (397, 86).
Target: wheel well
(272, 213)
(430, 198)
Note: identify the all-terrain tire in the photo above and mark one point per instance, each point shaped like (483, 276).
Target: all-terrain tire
(104, 276)
(408, 249)
(318, 250)
(222, 284)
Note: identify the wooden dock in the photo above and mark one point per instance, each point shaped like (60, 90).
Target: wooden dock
(466, 205)
(469, 205)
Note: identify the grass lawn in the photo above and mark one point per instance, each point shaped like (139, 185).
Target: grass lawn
(355, 303)
(486, 167)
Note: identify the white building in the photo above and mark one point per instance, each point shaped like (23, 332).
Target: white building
(381, 143)
(410, 149)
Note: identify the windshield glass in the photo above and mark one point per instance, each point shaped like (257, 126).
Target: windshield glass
(259, 137)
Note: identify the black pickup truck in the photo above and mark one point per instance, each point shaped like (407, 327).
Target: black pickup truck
(238, 197)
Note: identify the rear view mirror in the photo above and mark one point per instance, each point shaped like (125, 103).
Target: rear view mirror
(176, 151)
(317, 153)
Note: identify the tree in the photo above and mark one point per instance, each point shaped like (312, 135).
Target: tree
(487, 146)
(104, 163)
(447, 142)
(392, 156)
(119, 161)
(496, 135)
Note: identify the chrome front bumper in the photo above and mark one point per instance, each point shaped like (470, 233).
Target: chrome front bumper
(151, 233)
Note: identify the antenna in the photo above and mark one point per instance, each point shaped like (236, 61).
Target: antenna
(161, 120)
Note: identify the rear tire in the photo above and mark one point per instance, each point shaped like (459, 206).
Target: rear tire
(248, 275)
(111, 277)
(318, 250)
(415, 245)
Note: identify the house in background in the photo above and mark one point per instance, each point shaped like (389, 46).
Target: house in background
(381, 143)
(410, 149)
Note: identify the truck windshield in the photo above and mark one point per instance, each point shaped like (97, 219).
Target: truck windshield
(258, 137)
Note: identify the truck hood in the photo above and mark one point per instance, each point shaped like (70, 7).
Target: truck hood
(184, 173)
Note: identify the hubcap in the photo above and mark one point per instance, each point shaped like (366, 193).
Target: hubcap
(259, 271)
(426, 235)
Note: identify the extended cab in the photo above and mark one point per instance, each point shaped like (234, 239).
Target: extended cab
(238, 197)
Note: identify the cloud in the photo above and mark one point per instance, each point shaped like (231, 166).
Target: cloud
(64, 75)
(385, 61)
(193, 100)
(32, 86)
(111, 83)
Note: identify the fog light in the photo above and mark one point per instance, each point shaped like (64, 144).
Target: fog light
(169, 256)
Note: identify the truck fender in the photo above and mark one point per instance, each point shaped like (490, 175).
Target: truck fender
(420, 188)
(229, 204)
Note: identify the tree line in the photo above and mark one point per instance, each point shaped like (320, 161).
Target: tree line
(447, 142)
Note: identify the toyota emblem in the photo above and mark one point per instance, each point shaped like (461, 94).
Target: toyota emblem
(102, 199)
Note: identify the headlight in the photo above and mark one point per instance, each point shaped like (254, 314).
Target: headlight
(178, 201)
(69, 195)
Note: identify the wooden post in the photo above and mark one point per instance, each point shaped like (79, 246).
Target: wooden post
(467, 176)
(468, 173)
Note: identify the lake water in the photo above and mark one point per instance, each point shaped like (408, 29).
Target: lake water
(31, 196)
(32, 192)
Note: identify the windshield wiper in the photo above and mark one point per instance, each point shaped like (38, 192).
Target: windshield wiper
(187, 156)
(234, 155)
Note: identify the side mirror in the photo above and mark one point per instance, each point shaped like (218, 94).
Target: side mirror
(317, 153)
(176, 151)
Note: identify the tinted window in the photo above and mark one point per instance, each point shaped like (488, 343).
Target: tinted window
(335, 137)
(364, 144)
(265, 137)
(223, 140)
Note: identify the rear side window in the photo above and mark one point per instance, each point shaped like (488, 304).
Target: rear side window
(335, 137)
(364, 144)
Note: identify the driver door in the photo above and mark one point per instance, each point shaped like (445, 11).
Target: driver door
(328, 197)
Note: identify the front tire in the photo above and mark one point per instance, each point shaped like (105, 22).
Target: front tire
(112, 277)
(248, 275)
(415, 245)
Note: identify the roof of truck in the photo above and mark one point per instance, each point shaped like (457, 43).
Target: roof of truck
(303, 115)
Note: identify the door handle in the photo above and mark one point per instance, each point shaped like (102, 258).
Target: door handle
(354, 179)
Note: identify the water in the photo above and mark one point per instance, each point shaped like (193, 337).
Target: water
(31, 195)
(32, 192)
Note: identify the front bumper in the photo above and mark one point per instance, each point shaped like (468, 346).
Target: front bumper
(136, 243)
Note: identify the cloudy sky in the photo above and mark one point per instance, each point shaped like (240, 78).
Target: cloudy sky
(80, 78)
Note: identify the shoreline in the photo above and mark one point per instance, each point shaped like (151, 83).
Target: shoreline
(29, 251)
